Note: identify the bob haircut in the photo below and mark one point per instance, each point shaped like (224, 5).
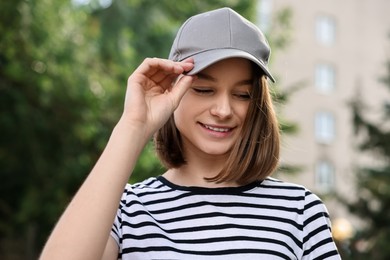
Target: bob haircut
(255, 155)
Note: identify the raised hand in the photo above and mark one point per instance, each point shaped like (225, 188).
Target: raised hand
(154, 90)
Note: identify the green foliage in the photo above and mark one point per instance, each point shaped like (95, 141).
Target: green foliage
(279, 39)
(63, 73)
(133, 30)
(281, 29)
(372, 203)
(51, 123)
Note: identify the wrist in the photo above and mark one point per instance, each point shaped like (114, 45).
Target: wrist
(135, 132)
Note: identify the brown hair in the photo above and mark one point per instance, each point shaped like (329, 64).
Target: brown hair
(255, 155)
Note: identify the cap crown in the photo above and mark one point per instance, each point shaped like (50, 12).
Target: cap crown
(220, 29)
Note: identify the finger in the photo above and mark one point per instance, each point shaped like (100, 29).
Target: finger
(168, 81)
(176, 69)
(166, 78)
(161, 76)
(151, 66)
(189, 60)
(181, 88)
(188, 64)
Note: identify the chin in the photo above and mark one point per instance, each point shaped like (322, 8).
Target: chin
(217, 152)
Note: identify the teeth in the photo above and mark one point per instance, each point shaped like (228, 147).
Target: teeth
(217, 129)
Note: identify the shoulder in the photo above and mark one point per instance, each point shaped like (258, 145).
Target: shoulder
(145, 189)
(276, 183)
(148, 185)
(309, 201)
(272, 185)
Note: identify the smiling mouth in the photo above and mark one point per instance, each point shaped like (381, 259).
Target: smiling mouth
(217, 129)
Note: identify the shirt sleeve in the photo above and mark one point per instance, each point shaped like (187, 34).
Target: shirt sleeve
(116, 230)
(317, 236)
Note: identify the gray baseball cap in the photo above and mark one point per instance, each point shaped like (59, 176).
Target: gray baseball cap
(220, 34)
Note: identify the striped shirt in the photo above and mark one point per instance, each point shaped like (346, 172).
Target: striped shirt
(270, 219)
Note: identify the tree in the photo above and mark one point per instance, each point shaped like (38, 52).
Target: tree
(372, 203)
(63, 71)
(147, 28)
(160, 20)
(51, 119)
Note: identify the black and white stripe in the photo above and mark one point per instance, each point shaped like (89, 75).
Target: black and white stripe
(264, 220)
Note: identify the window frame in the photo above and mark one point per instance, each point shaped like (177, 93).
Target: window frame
(325, 29)
(325, 127)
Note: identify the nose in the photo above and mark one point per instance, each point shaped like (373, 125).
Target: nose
(222, 107)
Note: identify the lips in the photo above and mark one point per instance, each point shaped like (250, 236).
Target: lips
(217, 128)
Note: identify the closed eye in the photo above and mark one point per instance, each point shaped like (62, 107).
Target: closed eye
(203, 91)
(243, 96)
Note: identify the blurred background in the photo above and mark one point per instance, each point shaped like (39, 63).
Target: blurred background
(63, 71)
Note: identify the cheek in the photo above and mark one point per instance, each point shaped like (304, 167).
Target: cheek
(183, 112)
(242, 111)
(186, 101)
(178, 115)
(191, 105)
(183, 105)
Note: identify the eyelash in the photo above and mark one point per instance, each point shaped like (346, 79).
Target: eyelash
(203, 91)
(241, 96)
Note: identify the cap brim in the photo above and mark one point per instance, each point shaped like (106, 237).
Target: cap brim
(205, 59)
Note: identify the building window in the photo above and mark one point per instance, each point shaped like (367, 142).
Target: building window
(324, 176)
(324, 127)
(325, 29)
(324, 78)
(264, 15)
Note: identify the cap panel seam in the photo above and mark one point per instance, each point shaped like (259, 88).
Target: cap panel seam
(243, 37)
(230, 29)
(179, 39)
(224, 48)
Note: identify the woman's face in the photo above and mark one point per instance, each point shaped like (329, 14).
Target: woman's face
(212, 112)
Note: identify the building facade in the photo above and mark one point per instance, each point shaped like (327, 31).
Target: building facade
(337, 51)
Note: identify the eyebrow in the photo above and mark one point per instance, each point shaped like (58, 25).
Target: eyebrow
(202, 75)
(205, 76)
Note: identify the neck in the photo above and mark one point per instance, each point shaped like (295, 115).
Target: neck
(194, 174)
(198, 167)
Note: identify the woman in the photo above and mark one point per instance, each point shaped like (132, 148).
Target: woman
(215, 130)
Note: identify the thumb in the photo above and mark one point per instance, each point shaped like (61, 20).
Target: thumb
(180, 88)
